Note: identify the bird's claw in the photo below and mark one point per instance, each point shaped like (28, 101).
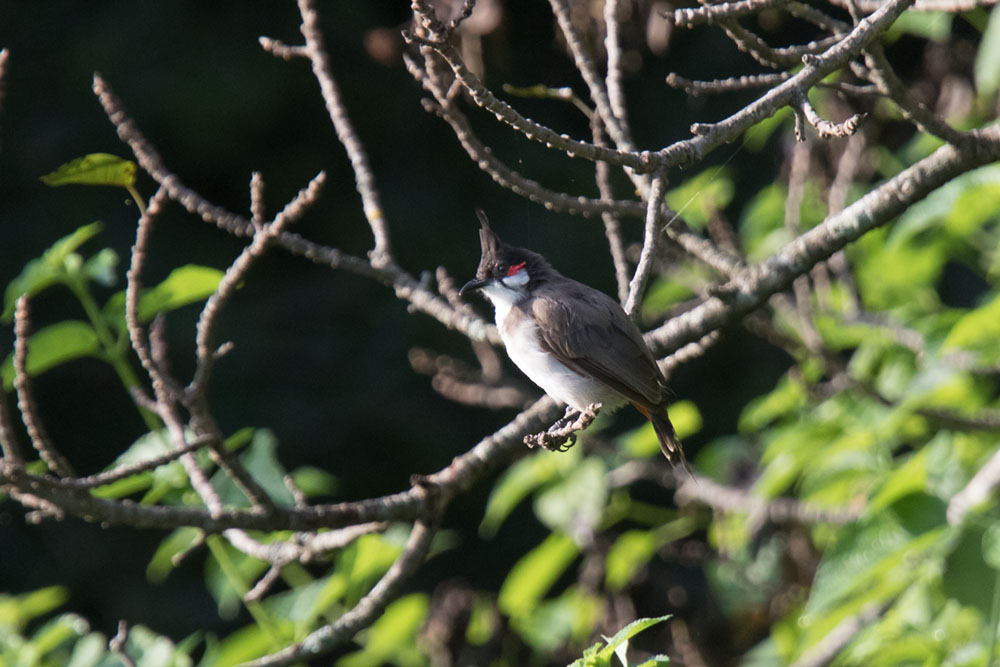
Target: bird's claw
(562, 434)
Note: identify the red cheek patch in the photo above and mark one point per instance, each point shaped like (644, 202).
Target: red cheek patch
(514, 269)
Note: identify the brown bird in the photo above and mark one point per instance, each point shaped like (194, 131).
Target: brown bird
(571, 340)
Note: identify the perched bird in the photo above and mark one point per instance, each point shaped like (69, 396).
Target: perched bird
(571, 340)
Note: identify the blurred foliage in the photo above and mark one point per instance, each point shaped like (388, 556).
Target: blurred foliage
(888, 418)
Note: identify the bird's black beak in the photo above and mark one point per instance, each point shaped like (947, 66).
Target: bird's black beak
(472, 286)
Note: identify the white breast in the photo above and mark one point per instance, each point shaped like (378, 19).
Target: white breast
(523, 348)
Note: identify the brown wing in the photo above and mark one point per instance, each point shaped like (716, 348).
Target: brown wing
(596, 338)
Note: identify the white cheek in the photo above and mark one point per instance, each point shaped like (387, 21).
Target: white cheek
(519, 279)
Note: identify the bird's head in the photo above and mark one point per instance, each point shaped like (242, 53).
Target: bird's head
(504, 271)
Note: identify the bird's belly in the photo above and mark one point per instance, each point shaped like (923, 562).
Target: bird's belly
(558, 380)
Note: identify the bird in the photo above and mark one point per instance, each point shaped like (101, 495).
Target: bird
(573, 341)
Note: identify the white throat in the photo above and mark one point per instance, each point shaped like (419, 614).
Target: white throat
(503, 299)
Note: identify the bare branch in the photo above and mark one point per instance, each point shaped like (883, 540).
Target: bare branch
(882, 75)
(117, 644)
(264, 235)
(595, 84)
(519, 184)
(736, 83)
(284, 51)
(754, 284)
(612, 226)
(613, 78)
(381, 255)
(710, 136)
(9, 446)
(690, 17)
(482, 96)
(365, 611)
(652, 234)
(134, 285)
(25, 399)
(826, 129)
(405, 286)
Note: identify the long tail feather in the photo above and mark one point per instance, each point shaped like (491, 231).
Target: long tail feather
(670, 445)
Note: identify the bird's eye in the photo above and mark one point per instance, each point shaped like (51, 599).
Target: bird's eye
(515, 268)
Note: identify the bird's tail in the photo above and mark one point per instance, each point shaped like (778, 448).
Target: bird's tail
(670, 445)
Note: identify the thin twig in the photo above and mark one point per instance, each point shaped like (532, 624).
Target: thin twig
(381, 254)
(405, 286)
(612, 226)
(364, 612)
(613, 78)
(25, 399)
(827, 129)
(652, 234)
(117, 644)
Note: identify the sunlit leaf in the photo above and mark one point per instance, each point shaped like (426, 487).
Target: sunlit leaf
(577, 501)
(53, 345)
(101, 267)
(987, 67)
(643, 443)
(185, 285)
(518, 482)
(700, 198)
(934, 26)
(979, 331)
(162, 562)
(392, 638)
(991, 545)
(261, 461)
(314, 482)
(94, 169)
(535, 573)
(629, 631)
(762, 223)
(54, 266)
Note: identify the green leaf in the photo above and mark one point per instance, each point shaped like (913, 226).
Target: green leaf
(978, 331)
(18, 610)
(314, 481)
(967, 576)
(991, 545)
(261, 461)
(632, 550)
(519, 481)
(162, 562)
(53, 345)
(54, 266)
(577, 501)
(643, 443)
(629, 631)
(101, 267)
(170, 476)
(934, 26)
(392, 639)
(186, 284)
(535, 573)
(987, 67)
(94, 169)
(699, 198)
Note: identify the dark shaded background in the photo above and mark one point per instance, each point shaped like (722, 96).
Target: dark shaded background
(320, 356)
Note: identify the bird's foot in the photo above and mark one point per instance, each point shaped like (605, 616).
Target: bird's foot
(562, 434)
